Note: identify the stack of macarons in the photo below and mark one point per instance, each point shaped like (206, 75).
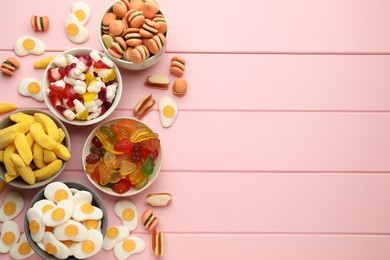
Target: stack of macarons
(177, 68)
(134, 31)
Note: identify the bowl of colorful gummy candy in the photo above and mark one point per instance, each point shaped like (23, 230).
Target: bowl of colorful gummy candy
(82, 86)
(122, 156)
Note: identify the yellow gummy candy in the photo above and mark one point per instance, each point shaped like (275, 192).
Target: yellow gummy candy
(110, 76)
(89, 78)
(83, 115)
(89, 96)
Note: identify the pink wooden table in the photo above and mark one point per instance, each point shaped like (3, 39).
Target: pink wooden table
(282, 145)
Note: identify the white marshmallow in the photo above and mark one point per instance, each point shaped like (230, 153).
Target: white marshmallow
(95, 55)
(69, 114)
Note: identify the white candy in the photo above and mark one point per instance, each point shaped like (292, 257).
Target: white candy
(91, 106)
(71, 58)
(61, 61)
(95, 114)
(81, 77)
(60, 83)
(69, 80)
(108, 62)
(98, 102)
(69, 114)
(95, 55)
(78, 106)
(79, 89)
(75, 72)
(111, 90)
(95, 86)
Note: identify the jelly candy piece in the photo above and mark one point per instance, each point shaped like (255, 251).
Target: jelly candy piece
(109, 76)
(89, 77)
(56, 90)
(120, 158)
(86, 59)
(120, 132)
(90, 168)
(95, 175)
(127, 168)
(69, 68)
(54, 100)
(102, 94)
(124, 146)
(89, 96)
(108, 175)
(109, 159)
(83, 115)
(136, 176)
(72, 98)
(68, 91)
(106, 142)
(136, 134)
(148, 166)
(101, 65)
(136, 155)
(151, 144)
(93, 158)
(121, 188)
(142, 183)
(95, 142)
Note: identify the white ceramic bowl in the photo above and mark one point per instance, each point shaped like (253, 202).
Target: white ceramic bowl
(97, 201)
(132, 191)
(45, 85)
(128, 65)
(19, 182)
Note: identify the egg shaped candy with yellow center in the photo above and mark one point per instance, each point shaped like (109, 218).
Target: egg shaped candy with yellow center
(44, 205)
(26, 45)
(57, 191)
(115, 234)
(128, 214)
(75, 31)
(92, 224)
(82, 11)
(83, 211)
(54, 247)
(82, 196)
(71, 230)
(22, 249)
(12, 206)
(31, 87)
(128, 247)
(35, 224)
(89, 246)
(9, 235)
(59, 214)
(168, 111)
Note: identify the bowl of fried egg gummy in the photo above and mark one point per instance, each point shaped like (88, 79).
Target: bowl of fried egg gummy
(66, 220)
(82, 86)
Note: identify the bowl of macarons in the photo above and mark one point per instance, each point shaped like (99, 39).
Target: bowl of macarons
(134, 33)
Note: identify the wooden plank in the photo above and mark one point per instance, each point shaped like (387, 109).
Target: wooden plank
(268, 82)
(270, 203)
(266, 141)
(275, 247)
(282, 26)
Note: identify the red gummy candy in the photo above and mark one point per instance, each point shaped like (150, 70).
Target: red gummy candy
(86, 59)
(101, 65)
(124, 146)
(121, 187)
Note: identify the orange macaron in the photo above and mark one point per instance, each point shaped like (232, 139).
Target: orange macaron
(139, 54)
(39, 23)
(106, 20)
(177, 66)
(134, 18)
(179, 87)
(156, 43)
(117, 28)
(148, 29)
(133, 37)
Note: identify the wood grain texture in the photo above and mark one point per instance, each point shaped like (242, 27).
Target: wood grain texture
(266, 82)
(281, 147)
(280, 26)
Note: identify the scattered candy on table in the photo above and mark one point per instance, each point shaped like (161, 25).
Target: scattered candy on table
(39, 23)
(42, 64)
(161, 199)
(26, 45)
(168, 111)
(9, 66)
(179, 87)
(157, 81)
(31, 87)
(144, 106)
(177, 66)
